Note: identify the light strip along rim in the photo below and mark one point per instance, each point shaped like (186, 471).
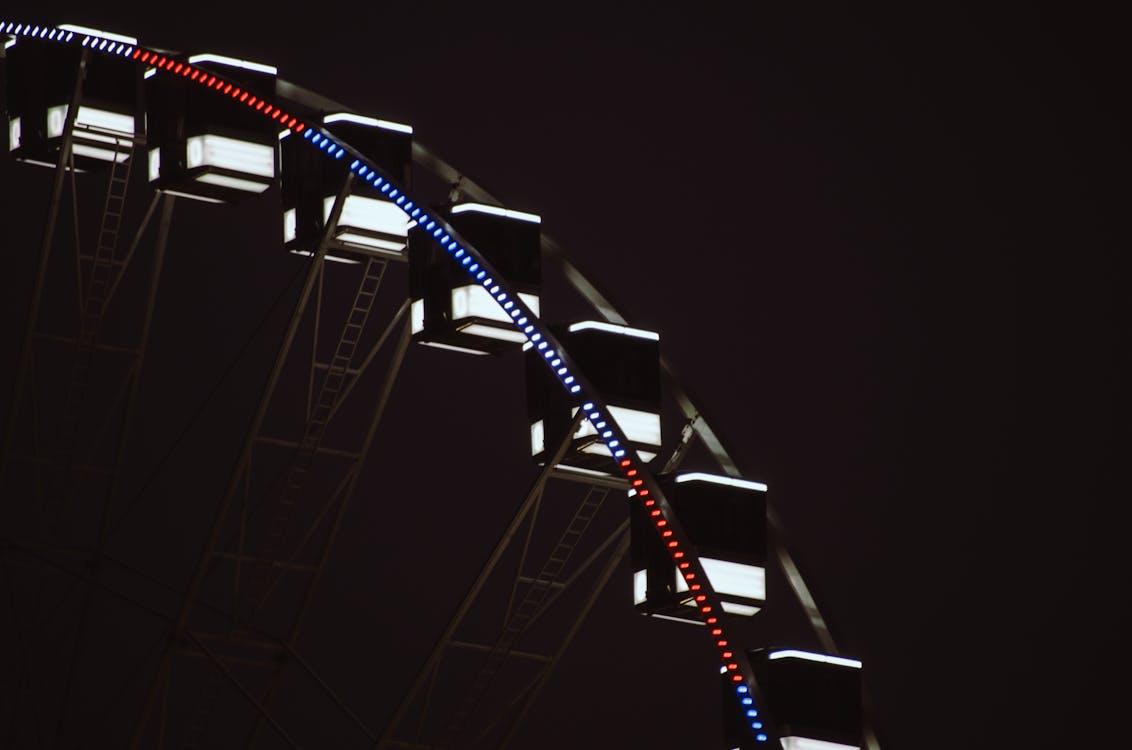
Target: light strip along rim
(473, 262)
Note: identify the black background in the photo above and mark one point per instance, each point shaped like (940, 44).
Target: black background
(881, 247)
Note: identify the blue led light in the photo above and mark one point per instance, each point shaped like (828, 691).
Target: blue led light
(555, 363)
(514, 313)
(614, 443)
(748, 701)
(443, 239)
(501, 296)
(309, 135)
(521, 321)
(600, 426)
(528, 329)
(548, 353)
(474, 267)
(541, 344)
(408, 205)
(481, 274)
(385, 188)
(488, 281)
(607, 434)
(756, 725)
(752, 713)
(568, 380)
(562, 370)
(437, 232)
(508, 305)
(741, 689)
(760, 737)
(354, 165)
(459, 250)
(394, 193)
(415, 212)
(400, 200)
(587, 406)
(594, 415)
(537, 337)
(575, 388)
(430, 225)
(466, 260)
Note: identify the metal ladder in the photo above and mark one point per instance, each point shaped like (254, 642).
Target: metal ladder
(523, 614)
(93, 302)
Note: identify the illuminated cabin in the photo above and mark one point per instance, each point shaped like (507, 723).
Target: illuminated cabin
(623, 365)
(369, 224)
(450, 308)
(725, 521)
(41, 75)
(201, 145)
(813, 699)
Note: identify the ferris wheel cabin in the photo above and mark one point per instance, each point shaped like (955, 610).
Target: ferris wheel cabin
(41, 77)
(201, 147)
(623, 365)
(815, 700)
(452, 310)
(369, 223)
(725, 520)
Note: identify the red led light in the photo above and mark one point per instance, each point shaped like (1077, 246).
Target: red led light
(631, 473)
(654, 513)
(684, 566)
(661, 523)
(235, 92)
(137, 54)
(178, 68)
(678, 555)
(244, 98)
(712, 620)
(727, 654)
(673, 544)
(644, 493)
(169, 65)
(186, 71)
(196, 73)
(160, 62)
(650, 503)
(624, 462)
(721, 643)
(666, 533)
(299, 127)
(638, 482)
(227, 88)
(267, 110)
(695, 587)
(717, 631)
(211, 80)
(689, 576)
(732, 666)
(252, 101)
(701, 597)
(705, 609)
(261, 105)
(277, 115)
(736, 678)
(291, 123)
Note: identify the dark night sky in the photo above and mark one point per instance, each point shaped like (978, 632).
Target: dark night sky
(880, 247)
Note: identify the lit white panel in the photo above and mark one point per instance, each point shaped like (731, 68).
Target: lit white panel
(640, 586)
(99, 119)
(491, 332)
(104, 154)
(370, 214)
(327, 256)
(203, 198)
(233, 63)
(416, 314)
(743, 610)
(600, 449)
(676, 619)
(373, 122)
(154, 163)
(290, 230)
(593, 325)
(149, 73)
(99, 33)
(11, 42)
(352, 238)
(747, 581)
(481, 208)
(538, 438)
(473, 301)
(14, 134)
(743, 484)
(811, 656)
(806, 743)
(452, 348)
(639, 426)
(236, 183)
(231, 153)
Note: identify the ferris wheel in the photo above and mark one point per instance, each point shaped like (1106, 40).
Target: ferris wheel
(376, 247)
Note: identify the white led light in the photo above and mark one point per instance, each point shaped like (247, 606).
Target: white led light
(676, 619)
(97, 32)
(416, 315)
(808, 743)
(236, 183)
(103, 154)
(233, 63)
(593, 325)
(154, 164)
(327, 256)
(230, 153)
(736, 579)
(481, 208)
(13, 134)
(450, 347)
(640, 586)
(370, 121)
(149, 73)
(491, 332)
(743, 610)
(369, 215)
(538, 438)
(289, 225)
(473, 301)
(10, 42)
(811, 656)
(697, 476)
(639, 426)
